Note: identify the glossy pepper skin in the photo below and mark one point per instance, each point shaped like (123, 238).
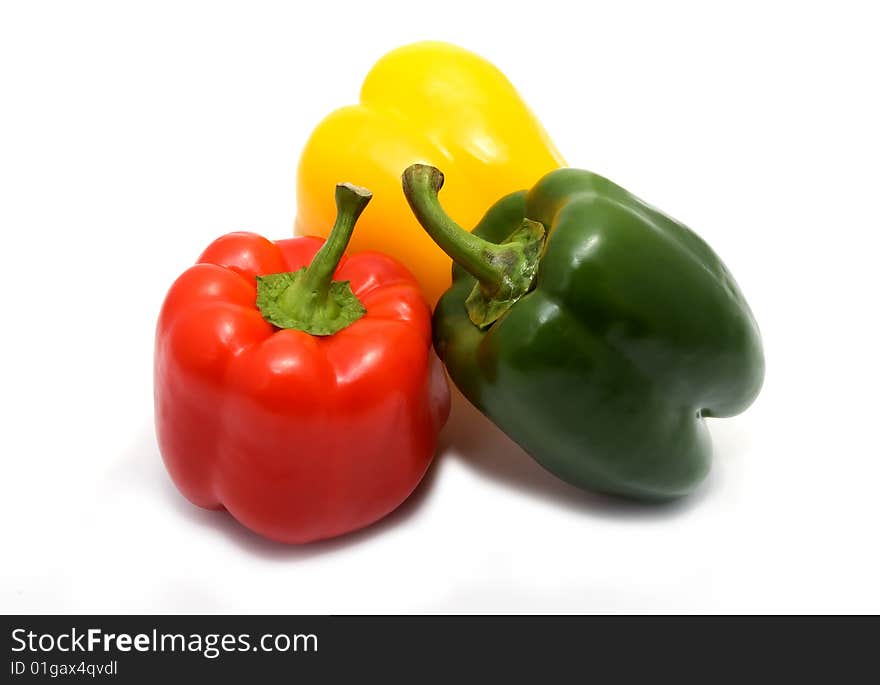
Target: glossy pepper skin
(299, 436)
(631, 332)
(426, 102)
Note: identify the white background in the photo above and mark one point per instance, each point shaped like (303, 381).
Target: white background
(135, 133)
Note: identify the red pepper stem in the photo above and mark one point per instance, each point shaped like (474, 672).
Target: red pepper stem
(310, 300)
(351, 200)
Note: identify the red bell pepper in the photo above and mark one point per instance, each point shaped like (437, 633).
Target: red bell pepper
(305, 406)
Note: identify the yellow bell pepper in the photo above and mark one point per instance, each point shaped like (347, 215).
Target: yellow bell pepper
(433, 103)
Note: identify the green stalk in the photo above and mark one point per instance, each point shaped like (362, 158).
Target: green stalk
(504, 272)
(310, 300)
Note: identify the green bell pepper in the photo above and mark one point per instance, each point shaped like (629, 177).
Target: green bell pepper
(594, 330)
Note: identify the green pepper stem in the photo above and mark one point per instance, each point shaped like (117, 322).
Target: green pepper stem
(480, 258)
(505, 272)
